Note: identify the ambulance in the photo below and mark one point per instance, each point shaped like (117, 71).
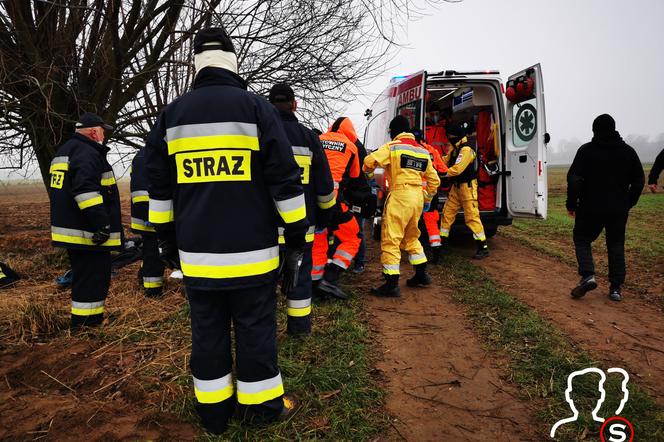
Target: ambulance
(506, 125)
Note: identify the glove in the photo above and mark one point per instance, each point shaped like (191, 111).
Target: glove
(168, 253)
(102, 235)
(427, 207)
(290, 269)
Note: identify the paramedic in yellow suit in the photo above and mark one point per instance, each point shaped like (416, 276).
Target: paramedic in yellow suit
(407, 165)
(462, 174)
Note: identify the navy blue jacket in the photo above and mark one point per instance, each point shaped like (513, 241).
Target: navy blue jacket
(84, 196)
(222, 175)
(139, 195)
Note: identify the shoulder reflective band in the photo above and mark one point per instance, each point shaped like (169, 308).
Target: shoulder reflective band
(59, 163)
(326, 201)
(213, 391)
(213, 166)
(299, 308)
(74, 236)
(142, 225)
(391, 269)
(161, 211)
(293, 209)
(87, 308)
(140, 196)
(229, 265)
(153, 282)
(253, 393)
(88, 199)
(209, 136)
(420, 258)
(311, 231)
(107, 178)
(412, 150)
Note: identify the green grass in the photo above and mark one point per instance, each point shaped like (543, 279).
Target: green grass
(644, 244)
(330, 373)
(541, 357)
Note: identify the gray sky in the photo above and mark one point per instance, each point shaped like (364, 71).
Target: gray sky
(597, 56)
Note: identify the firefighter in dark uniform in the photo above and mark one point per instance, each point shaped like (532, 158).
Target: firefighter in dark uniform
(319, 196)
(85, 217)
(222, 176)
(151, 273)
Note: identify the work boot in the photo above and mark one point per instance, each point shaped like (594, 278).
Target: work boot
(328, 284)
(615, 293)
(482, 250)
(316, 294)
(435, 255)
(153, 292)
(390, 289)
(586, 284)
(290, 405)
(421, 278)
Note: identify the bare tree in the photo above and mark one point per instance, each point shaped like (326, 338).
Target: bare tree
(125, 59)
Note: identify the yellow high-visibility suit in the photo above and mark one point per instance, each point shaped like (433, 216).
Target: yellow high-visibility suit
(463, 193)
(407, 165)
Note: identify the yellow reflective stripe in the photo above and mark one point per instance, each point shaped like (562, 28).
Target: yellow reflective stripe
(417, 259)
(73, 236)
(108, 181)
(391, 269)
(253, 393)
(87, 312)
(213, 142)
(140, 199)
(59, 167)
(327, 204)
(229, 271)
(229, 265)
(91, 202)
(152, 285)
(142, 227)
(299, 312)
(213, 397)
(161, 211)
(294, 215)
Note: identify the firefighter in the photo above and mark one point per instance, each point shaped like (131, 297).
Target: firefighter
(462, 173)
(151, 273)
(319, 196)
(406, 165)
(343, 158)
(431, 217)
(85, 217)
(221, 177)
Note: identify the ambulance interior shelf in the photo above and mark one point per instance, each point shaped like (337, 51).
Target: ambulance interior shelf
(474, 105)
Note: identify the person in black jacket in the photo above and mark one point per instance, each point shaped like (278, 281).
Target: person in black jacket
(151, 273)
(319, 195)
(85, 217)
(657, 168)
(222, 177)
(604, 182)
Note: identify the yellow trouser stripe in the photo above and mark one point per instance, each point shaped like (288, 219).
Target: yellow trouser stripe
(84, 241)
(299, 312)
(142, 227)
(87, 311)
(153, 285)
(140, 199)
(261, 396)
(213, 397)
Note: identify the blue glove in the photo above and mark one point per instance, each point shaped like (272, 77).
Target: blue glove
(426, 208)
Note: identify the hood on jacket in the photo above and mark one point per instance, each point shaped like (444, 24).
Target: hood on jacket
(344, 126)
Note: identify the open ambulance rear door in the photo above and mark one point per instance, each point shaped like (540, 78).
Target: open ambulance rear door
(526, 149)
(409, 100)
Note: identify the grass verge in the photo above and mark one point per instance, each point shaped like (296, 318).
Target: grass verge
(331, 374)
(541, 358)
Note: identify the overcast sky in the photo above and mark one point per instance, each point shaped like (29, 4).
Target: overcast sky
(597, 56)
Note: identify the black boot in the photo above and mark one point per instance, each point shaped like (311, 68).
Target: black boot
(328, 284)
(482, 250)
(390, 289)
(421, 278)
(586, 284)
(435, 255)
(614, 293)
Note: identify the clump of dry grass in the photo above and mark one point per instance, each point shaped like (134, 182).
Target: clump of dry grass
(31, 318)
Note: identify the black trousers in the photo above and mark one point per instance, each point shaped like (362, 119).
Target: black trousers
(587, 228)
(152, 269)
(252, 312)
(91, 279)
(299, 299)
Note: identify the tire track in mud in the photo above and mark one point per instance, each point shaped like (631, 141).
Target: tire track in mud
(443, 384)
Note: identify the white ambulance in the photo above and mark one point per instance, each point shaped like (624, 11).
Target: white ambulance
(507, 127)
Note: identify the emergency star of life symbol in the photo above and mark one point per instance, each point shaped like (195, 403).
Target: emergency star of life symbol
(526, 122)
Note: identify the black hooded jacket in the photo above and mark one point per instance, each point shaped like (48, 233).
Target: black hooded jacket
(656, 168)
(606, 177)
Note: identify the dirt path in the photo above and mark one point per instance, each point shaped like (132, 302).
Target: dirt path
(629, 334)
(442, 384)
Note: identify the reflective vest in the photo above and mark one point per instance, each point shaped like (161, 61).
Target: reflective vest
(315, 171)
(139, 195)
(84, 196)
(222, 175)
(342, 156)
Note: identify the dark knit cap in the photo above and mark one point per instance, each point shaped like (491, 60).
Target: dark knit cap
(281, 92)
(399, 124)
(213, 39)
(604, 124)
(456, 129)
